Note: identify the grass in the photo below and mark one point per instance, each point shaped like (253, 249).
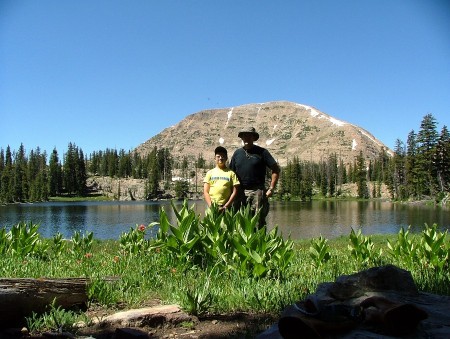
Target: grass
(90, 197)
(201, 265)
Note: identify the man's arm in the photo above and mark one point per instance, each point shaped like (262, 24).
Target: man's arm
(274, 179)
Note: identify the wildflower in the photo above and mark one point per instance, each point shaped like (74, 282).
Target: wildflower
(141, 228)
(88, 255)
(173, 270)
(116, 258)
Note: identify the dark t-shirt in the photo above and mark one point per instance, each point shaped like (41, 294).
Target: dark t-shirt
(250, 166)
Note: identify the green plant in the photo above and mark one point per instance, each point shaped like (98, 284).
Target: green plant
(434, 248)
(82, 244)
(404, 249)
(59, 245)
(225, 280)
(4, 241)
(230, 239)
(23, 238)
(363, 249)
(134, 242)
(180, 241)
(260, 253)
(319, 251)
(104, 292)
(57, 320)
(197, 299)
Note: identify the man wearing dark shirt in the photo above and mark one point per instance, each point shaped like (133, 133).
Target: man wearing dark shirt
(250, 163)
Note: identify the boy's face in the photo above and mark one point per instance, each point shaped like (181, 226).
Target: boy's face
(221, 159)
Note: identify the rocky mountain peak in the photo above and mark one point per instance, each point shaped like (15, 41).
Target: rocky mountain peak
(286, 129)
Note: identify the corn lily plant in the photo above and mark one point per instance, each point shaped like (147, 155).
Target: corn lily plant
(230, 240)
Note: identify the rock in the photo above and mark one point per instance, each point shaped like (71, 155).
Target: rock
(148, 316)
(385, 278)
(381, 301)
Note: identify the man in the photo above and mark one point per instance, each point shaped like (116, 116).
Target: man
(220, 183)
(250, 163)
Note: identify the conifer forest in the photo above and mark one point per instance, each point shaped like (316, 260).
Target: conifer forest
(418, 169)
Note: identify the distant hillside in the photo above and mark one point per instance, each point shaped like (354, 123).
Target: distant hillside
(286, 129)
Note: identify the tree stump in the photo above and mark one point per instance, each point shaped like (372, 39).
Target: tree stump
(20, 297)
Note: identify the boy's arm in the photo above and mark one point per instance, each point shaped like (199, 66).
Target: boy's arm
(206, 193)
(229, 203)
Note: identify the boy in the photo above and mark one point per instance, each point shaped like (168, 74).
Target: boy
(220, 183)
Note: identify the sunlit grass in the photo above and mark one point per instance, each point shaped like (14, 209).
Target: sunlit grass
(132, 270)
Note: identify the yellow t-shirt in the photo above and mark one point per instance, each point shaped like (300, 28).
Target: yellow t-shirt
(221, 182)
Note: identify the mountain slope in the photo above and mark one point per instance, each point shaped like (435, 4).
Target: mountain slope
(286, 129)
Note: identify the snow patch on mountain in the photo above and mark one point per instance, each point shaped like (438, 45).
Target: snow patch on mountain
(336, 122)
(229, 114)
(316, 114)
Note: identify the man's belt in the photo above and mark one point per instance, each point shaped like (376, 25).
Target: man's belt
(253, 187)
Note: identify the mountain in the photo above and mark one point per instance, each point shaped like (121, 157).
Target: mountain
(286, 129)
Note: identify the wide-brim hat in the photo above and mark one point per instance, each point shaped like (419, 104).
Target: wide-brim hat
(249, 130)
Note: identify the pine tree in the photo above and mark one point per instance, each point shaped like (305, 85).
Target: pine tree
(104, 163)
(20, 175)
(69, 174)
(2, 167)
(361, 174)
(153, 174)
(37, 174)
(442, 160)
(80, 172)
(427, 140)
(138, 166)
(284, 186)
(184, 167)
(165, 163)
(113, 163)
(55, 174)
(396, 180)
(332, 174)
(6, 193)
(124, 170)
(94, 163)
(322, 178)
(411, 166)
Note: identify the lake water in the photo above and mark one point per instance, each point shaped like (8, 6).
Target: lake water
(108, 220)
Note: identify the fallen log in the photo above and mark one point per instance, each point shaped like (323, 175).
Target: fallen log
(20, 297)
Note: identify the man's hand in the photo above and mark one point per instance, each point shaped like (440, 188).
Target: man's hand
(269, 192)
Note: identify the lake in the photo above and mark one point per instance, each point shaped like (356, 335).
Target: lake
(108, 220)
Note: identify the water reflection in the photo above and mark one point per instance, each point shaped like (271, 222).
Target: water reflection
(335, 218)
(108, 220)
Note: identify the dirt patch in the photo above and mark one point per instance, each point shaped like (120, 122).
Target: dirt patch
(236, 325)
(239, 325)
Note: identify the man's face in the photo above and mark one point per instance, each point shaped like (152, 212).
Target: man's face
(247, 138)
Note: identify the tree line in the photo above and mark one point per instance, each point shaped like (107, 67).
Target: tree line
(29, 178)
(420, 168)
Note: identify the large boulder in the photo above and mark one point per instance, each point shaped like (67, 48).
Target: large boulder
(381, 301)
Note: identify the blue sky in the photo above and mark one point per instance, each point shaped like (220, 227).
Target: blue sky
(112, 74)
